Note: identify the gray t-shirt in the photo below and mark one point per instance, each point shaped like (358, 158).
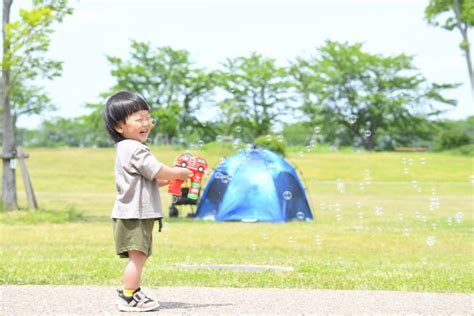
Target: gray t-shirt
(138, 194)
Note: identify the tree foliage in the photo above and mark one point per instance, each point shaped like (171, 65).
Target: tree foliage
(359, 98)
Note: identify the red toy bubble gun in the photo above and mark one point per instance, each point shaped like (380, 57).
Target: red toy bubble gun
(198, 166)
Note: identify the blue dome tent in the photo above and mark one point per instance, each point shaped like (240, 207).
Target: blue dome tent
(254, 185)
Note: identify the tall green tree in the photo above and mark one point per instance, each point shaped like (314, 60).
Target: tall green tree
(454, 14)
(358, 98)
(175, 88)
(25, 44)
(257, 94)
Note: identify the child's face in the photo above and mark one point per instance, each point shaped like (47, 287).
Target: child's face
(137, 126)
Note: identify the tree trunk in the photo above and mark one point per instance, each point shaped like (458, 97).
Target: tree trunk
(463, 27)
(8, 178)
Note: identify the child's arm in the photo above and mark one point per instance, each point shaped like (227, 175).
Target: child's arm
(162, 183)
(167, 173)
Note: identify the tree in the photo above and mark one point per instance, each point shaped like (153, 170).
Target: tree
(25, 43)
(257, 91)
(454, 14)
(359, 98)
(169, 83)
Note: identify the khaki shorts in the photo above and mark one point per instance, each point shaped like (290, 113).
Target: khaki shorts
(133, 234)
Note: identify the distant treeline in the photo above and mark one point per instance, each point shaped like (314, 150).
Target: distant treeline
(341, 96)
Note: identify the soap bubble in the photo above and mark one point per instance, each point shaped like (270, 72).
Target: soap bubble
(459, 217)
(225, 178)
(406, 231)
(174, 199)
(269, 137)
(450, 221)
(287, 195)
(378, 210)
(149, 141)
(338, 217)
(238, 129)
(352, 118)
(431, 241)
(253, 246)
(219, 138)
(249, 147)
(471, 179)
(200, 143)
(265, 236)
(434, 226)
(280, 138)
(367, 133)
(204, 124)
(290, 240)
(341, 187)
(360, 215)
(300, 216)
(318, 240)
(317, 129)
(423, 160)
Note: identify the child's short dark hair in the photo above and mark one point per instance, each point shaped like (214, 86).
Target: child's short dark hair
(118, 108)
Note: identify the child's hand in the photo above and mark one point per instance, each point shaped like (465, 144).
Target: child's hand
(162, 183)
(184, 174)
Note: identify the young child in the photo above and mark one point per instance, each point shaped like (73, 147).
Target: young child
(138, 175)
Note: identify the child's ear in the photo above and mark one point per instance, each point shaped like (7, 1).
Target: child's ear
(119, 128)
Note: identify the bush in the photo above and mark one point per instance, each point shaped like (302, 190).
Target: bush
(451, 138)
(271, 142)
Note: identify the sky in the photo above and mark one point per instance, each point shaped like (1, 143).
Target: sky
(213, 30)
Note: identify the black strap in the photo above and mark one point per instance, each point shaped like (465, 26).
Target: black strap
(160, 224)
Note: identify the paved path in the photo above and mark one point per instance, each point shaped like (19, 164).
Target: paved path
(95, 300)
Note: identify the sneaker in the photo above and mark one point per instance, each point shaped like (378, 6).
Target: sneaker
(138, 302)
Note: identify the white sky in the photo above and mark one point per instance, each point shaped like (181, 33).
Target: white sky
(212, 30)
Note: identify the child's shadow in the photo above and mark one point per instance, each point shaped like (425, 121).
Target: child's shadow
(174, 305)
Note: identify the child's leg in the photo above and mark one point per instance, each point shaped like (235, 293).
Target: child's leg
(133, 270)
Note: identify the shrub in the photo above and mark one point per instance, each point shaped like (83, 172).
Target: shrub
(451, 138)
(271, 142)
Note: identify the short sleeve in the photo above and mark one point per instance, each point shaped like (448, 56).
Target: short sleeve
(145, 163)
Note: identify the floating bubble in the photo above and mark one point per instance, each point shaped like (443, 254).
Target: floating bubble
(308, 148)
(367, 133)
(301, 154)
(471, 179)
(358, 205)
(338, 217)
(424, 261)
(450, 221)
(287, 195)
(341, 186)
(253, 247)
(280, 138)
(423, 160)
(431, 241)
(225, 178)
(269, 137)
(265, 236)
(300, 216)
(400, 216)
(459, 217)
(406, 231)
(404, 160)
(405, 170)
(312, 143)
(219, 138)
(318, 240)
(174, 199)
(378, 210)
(360, 215)
(149, 141)
(352, 119)
(249, 147)
(434, 226)
(238, 129)
(290, 240)
(204, 124)
(200, 143)
(317, 129)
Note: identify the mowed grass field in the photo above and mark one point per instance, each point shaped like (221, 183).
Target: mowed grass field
(384, 221)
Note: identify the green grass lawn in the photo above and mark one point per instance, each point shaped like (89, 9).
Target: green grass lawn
(384, 221)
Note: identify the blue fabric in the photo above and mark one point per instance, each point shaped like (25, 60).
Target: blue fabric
(252, 186)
